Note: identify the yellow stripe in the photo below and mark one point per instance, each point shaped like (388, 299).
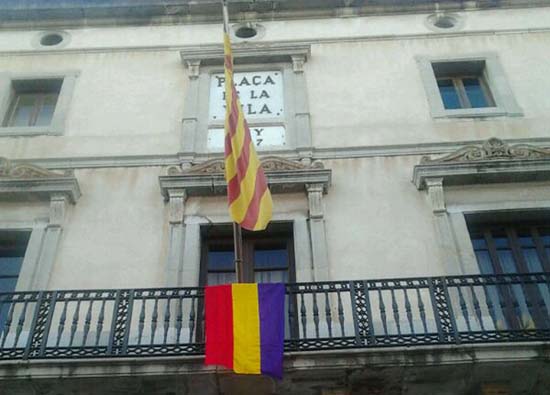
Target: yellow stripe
(239, 207)
(246, 329)
(266, 208)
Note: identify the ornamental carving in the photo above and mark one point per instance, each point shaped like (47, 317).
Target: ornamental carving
(25, 171)
(269, 163)
(492, 149)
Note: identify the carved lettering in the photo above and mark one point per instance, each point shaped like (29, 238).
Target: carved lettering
(268, 80)
(249, 111)
(244, 81)
(257, 80)
(264, 94)
(221, 81)
(265, 109)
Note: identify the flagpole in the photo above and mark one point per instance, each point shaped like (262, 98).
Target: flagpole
(237, 231)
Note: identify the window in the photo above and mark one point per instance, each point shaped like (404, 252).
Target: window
(35, 104)
(32, 102)
(509, 248)
(467, 87)
(464, 91)
(13, 245)
(270, 253)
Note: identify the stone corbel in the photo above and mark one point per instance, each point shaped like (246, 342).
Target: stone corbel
(434, 187)
(315, 200)
(176, 201)
(58, 207)
(298, 63)
(194, 67)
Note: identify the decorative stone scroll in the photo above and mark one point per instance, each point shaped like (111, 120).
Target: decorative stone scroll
(494, 161)
(207, 178)
(22, 171)
(492, 149)
(269, 164)
(25, 181)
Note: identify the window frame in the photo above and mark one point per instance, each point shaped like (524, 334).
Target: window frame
(203, 61)
(491, 73)
(59, 117)
(249, 241)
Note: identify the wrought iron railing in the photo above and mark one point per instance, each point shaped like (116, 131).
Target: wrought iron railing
(319, 316)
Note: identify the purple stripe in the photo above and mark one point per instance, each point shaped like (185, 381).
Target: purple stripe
(271, 300)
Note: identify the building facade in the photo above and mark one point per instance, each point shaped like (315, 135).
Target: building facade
(405, 146)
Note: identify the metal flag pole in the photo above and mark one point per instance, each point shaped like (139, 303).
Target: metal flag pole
(237, 231)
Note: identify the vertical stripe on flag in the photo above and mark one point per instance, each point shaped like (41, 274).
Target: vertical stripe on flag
(252, 322)
(219, 326)
(271, 299)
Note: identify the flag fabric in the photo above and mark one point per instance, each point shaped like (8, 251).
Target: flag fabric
(245, 327)
(248, 195)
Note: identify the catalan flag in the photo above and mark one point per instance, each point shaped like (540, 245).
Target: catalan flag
(250, 203)
(245, 327)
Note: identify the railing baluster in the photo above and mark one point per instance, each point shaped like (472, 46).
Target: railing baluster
(382, 308)
(291, 312)
(408, 310)
(395, 309)
(154, 319)
(303, 315)
(490, 305)
(315, 314)
(166, 320)
(328, 314)
(7, 324)
(464, 308)
(74, 325)
(141, 324)
(179, 320)
(87, 323)
(100, 320)
(477, 308)
(61, 324)
(192, 319)
(20, 323)
(422, 310)
(341, 315)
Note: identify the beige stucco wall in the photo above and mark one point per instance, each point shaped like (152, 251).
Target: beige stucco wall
(364, 89)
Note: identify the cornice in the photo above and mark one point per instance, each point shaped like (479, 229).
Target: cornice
(245, 53)
(493, 161)
(207, 179)
(329, 153)
(31, 182)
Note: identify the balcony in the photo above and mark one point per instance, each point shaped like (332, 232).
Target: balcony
(338, 315)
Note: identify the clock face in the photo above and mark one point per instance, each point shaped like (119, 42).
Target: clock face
(264, 137)
(262, 100)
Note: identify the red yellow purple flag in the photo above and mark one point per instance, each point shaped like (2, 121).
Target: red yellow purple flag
(248, 195)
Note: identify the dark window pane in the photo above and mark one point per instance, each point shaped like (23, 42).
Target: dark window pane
(526, 241)
(217, 278)
(484, 261)
(46, 111)
(507, 261)
(479, 243)
(221, 261)
(10, 266)
(501, 242)
(475, 93)
(271, 259)
(22, 113)
(449, 94)
(8, 284)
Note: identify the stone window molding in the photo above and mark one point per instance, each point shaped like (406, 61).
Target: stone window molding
(57, 124)
(202, 62)
(491, 162)
(27, 182)
(207, 179)
(494, 75)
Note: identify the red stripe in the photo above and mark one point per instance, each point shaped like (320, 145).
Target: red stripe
(219, 325)
(228, 60)
(251, 217)
(233, 123)
(234, 185)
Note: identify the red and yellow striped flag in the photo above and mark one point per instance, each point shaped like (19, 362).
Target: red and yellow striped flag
(250, 203)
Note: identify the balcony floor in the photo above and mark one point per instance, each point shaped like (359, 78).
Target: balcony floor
(441, 370)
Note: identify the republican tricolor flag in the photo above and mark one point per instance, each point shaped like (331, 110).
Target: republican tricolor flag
(248, 196)
(245, 327)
